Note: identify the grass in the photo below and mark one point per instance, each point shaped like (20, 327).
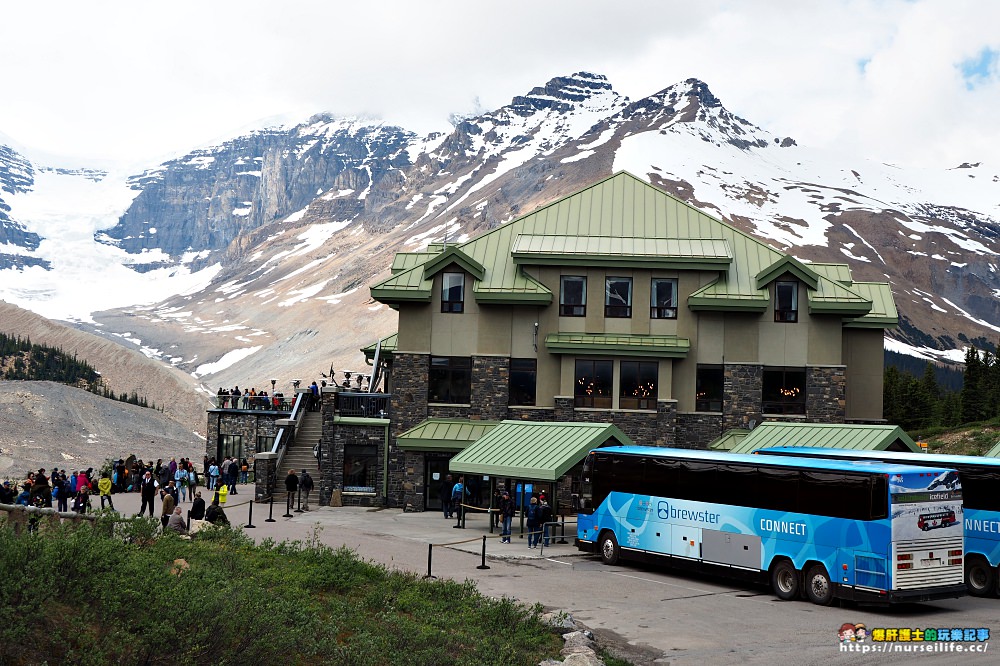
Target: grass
(113, 595)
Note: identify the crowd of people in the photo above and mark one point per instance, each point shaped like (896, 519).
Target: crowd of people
(172, 482)
(251, 398)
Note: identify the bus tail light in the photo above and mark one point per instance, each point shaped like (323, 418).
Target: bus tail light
(955, 560)
(904, 561)
(954, 553)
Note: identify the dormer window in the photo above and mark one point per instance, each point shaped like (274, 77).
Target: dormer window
(786, 302)
(618, 297)
(663, 299)
(452, 292)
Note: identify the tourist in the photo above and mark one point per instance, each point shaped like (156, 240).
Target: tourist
(216, 515)
(176, 522)
(104, 488)
(306, 484)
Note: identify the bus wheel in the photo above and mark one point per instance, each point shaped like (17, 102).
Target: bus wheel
(609, 548)
(979, 577)
(818, 586)
(785, 580)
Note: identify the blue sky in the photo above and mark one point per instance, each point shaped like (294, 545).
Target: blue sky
(908, 82)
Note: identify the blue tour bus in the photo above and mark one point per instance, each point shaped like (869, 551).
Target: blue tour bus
(823, 528)
(980, 478)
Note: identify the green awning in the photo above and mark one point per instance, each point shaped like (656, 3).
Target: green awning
(539, 451)
(388, 346)
(729, 439)
(619, 344)
(443, 434)
(828, 435)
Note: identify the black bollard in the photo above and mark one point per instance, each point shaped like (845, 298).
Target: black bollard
(250, 524)
(483, 565)
(562, 529)
(458, 521)
(189, 522)
(270, 510)
(430, 551)
(299, 510)
(289, 503)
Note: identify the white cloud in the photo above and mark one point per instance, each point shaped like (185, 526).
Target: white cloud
(125, 80)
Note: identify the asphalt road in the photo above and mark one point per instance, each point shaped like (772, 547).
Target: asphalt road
(659, 616)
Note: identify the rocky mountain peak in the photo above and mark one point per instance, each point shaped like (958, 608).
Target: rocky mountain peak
(564, 93)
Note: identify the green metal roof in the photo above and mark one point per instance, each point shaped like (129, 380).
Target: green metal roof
(994, 452)
(389, 344)
(404, 261)
(829, 435)
(616, 251)
(729, 439)
(453, 255)
(541, 451)
(621, 344)
(620, 220)
(443, 434)
(837, 272)
(883, 313)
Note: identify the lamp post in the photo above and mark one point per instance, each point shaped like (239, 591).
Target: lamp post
(273, 382)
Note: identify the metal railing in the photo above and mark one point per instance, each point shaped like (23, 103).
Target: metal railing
(369, 405)
(285, 435)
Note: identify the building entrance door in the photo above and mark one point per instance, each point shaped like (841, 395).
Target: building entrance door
(435, 469)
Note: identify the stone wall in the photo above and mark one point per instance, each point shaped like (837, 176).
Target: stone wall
(249, 425)
(826, 393)
(696, 430)
(490, 387)
(409, 408)
(531, 413)
(742, 394)
(357, 435)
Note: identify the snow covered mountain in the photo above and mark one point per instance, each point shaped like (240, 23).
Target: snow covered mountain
(253, 258)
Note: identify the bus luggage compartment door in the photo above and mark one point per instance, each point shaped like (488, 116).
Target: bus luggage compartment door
(741, 550)
(685, 541)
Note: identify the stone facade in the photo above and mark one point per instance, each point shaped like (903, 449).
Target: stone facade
(646, 428)
(742, 394)
(826, 393)
(490, 387)
(696, 430)
(247, 424)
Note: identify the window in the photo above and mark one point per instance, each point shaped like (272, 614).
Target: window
(450, 380)
(786, 302)
(265, 443)
(593, 384)
(638, 385)
(663, 299)
(452, 292)
(784, 391)
(708, 388)
(572, 296)
(230, 445)
(360, 468)
(618, 297)
(523, 374)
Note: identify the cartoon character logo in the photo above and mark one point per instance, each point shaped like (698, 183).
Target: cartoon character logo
(663, 511)
(860, 632)
(846, 632)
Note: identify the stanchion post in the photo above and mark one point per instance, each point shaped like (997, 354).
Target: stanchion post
(483, 565)
(250, 524)
(189, 522)
(430, 551)
(463, 517)
(270, 510)
(562, 527)
(289, 503)
(458, 520)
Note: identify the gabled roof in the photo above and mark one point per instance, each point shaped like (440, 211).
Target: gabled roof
(786, 264)
(541, 451)
(443, 434)
(622, 221)
(828, 435)
(729, 439)
(883, 312)
(837, 272)
(453, 255)
(404, 261)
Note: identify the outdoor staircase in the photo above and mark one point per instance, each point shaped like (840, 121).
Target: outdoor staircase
(299, 455)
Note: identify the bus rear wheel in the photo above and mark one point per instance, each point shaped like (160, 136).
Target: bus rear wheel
(609, 548)
(819, 589)
(785, 580)
(980, 577)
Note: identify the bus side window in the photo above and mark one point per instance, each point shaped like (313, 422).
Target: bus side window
(879, 498)
(659, 477)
